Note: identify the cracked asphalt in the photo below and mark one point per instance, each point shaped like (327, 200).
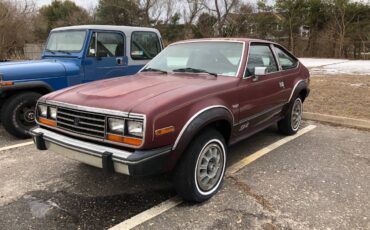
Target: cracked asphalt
(320, 180)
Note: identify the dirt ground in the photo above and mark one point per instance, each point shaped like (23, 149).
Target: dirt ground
(347, 96)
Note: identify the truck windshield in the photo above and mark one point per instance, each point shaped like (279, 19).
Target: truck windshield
(212, 57)
(66, 41)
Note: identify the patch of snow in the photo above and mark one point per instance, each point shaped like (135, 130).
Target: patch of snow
(321, 66)
(316, 62)
(358, 85)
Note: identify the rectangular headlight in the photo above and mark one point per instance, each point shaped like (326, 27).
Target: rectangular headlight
(135, 128)
(42, 110)
(53, 113)
(116, 126)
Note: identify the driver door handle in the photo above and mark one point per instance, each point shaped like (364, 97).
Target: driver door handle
(119, 61)
(282, 84)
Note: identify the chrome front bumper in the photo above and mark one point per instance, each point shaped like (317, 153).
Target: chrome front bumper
(108, 158)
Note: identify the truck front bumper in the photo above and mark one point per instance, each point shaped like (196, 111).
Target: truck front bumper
(136, 162)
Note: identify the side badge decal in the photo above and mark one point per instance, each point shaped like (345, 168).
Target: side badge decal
(244, 126)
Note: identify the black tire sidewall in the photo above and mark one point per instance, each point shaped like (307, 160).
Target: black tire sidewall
(185, 174)
(290, 114)
(10, 109)
(285, 125)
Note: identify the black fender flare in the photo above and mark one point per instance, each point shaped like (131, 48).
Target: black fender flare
(194, 125)
(298, 87)
(46, 88)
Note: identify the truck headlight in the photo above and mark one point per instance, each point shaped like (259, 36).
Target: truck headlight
(53, 113)
(116, 126)
(42, 110)
(135, 128)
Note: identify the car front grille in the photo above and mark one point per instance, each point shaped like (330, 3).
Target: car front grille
(81, 122)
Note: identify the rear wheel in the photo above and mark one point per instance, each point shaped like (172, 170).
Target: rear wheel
(18, 113)
(200, 173)
(292, 121)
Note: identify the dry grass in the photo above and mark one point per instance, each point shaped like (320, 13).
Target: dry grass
(347, 96)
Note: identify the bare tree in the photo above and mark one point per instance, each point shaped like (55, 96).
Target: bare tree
(192, 9)
(292, 11)
(342, 19)
(222, 9)
(150, 9)
(168, 10)
(15, 17)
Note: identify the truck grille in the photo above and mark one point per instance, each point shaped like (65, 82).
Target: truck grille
(81, 122)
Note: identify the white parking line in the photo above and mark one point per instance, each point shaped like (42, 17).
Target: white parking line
(16, 146)
(249, 159)
(148, 214)
(174, 201)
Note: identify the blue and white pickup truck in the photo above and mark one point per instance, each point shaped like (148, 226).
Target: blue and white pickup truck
(72, 55)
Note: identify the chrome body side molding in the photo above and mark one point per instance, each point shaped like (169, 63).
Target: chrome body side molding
(295, 86)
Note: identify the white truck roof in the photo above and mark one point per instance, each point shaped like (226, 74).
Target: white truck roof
(125, 29)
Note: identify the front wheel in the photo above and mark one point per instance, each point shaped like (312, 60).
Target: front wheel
(200, 173)
(290, 124)
(18, 113)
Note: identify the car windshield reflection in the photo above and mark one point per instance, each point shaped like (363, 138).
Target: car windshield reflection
(214, 58)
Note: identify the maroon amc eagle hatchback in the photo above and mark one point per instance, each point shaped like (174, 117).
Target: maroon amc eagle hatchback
(179, 113)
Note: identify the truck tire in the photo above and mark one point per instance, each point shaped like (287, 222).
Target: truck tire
(200, 172)
(289, 125)
(18, 113)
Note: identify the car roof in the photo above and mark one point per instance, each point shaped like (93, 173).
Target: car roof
(107, 27)
(225, 40)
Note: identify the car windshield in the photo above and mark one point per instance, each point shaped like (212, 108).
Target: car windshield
(66, 41)
(216, 58)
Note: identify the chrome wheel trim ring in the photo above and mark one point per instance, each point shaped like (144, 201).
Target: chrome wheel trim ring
(296, 116)
(213, 156)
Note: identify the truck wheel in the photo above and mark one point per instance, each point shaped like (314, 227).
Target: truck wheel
(200, 173)
(289, 125)
(18, 113)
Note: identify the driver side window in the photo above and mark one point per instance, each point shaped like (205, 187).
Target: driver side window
(106, 44)
(260, 55)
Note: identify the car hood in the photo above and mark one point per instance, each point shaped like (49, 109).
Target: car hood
(124, 93)
(29, 70)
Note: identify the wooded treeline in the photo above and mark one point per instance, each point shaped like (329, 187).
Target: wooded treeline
(311, 28)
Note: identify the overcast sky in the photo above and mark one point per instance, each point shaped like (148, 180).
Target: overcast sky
(88, 4)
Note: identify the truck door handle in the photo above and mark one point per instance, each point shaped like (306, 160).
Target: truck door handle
(281, 84)
(119, 61)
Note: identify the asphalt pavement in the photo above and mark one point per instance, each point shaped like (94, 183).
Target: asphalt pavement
(320, 180)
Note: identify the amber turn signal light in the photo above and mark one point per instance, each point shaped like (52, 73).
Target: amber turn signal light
(6, 83)
(47, 122)
(126, 140)
(163, 131)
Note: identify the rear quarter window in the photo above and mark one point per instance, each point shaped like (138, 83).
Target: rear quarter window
(144, 45)
(287, 61)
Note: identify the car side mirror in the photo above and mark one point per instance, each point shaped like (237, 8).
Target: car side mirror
(259, 71)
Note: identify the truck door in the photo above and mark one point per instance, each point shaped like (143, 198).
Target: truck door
(106, 56)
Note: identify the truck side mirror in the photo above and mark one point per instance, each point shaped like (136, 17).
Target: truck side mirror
(259, 71)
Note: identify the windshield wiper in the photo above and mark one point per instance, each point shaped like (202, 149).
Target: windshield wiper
(154, 70)
(47, 50)
(194, 70)
(62, 51)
